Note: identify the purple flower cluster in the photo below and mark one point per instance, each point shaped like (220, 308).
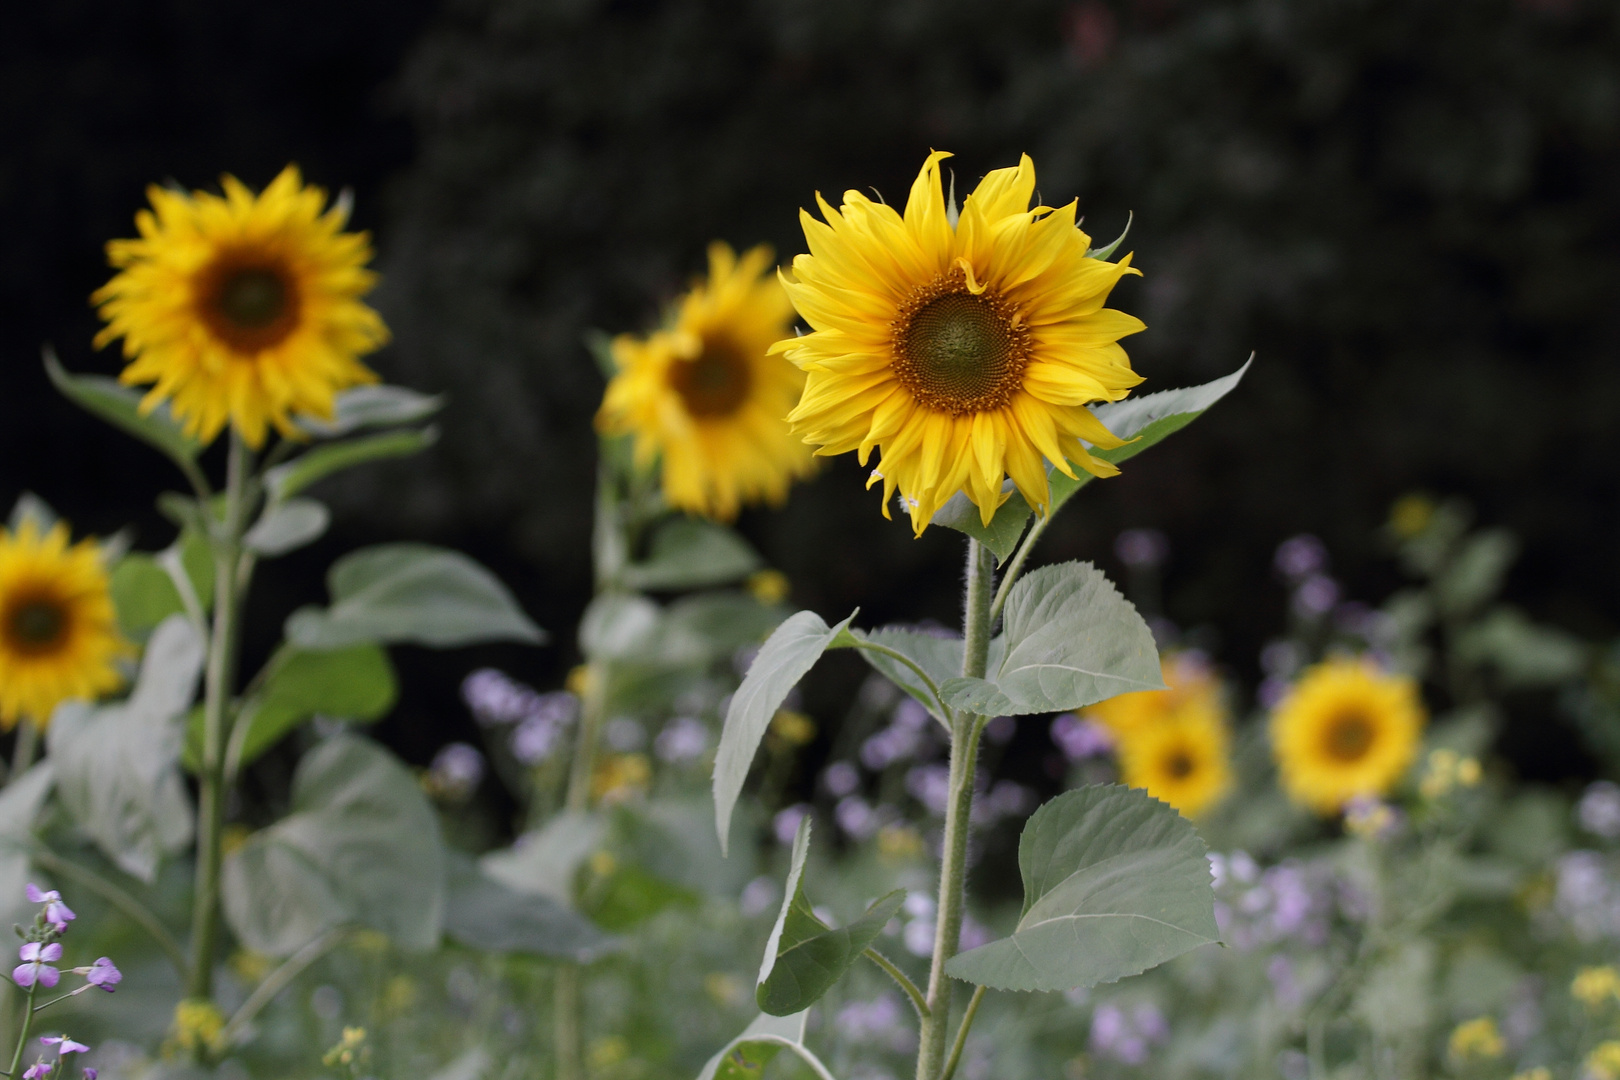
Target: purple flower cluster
(40, 952)
(908, 733)
(881, 1021)
(1081, 739)
(1142, 548)
(1287, 902)
(64, 1046)
(1587, 896)
(1127, 1037)
(536, 719)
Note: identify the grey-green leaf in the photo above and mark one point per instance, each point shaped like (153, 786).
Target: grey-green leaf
(745, 1057)
(20, 804)
(1071, 640)
(690, 553)
(483, 913)
(411, 593)
(285, 481)
(619, 626)
(941, 657)
(814, 957)
(790, 890)
(287, 526)
(790, 652)
(120, 406)
(545, 862)
(372, 407)
(1115, 882)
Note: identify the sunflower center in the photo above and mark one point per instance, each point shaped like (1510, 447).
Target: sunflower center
(1179, 765)
(716, 383)
(250, 302)
(1349, 737)
(36, 625)
(959, 352)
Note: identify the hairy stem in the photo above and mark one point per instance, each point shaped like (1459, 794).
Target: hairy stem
(962, 1033)
(965, 731)
(912, 990)
(1016, 567)
(223, 647)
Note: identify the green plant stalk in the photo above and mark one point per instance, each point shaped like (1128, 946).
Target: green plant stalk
(966, 728)
(22, 1036)
(22, 755)
(223, 647)
(138, 912)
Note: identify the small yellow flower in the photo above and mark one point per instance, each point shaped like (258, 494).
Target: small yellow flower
(723, 989)
(608, 1051)
(249, 966)
(1477, 1040)
(1194, 689)
(1595, 987)
(705, 400)
(1410, 515)
(1447, 770)
(769, 586)
(602, 863)
(1540, 1072)
(1184, 761)
(793, 728)
(578, 680)
(198, 1025)
(1369, 819)
(243, 309)
(1604, 1060)
(58, 629)
(899, 843)
(349, 1049)
(399, 994)
(619, 777)
(1346, 729)
(233, 837)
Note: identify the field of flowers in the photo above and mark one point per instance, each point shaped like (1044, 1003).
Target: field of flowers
(1336, 879)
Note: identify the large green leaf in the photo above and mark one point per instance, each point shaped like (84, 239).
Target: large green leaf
(1146, 420)
(411, 593)
(619, 626)
(1115, 882)
(782, 661)
(1071, 640)
(483, 913)
(372, 407)
(745, 1057)
(710, 626)
(546, 861)
(117, 766)
(941, 657)
(285, 481)
(690, 553)
(20, 803)
(287, 526)
(120, 406)
(361, 846)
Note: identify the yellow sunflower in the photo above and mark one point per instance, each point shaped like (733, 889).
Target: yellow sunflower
(703, 396)
(1194, 689)
(1346, 729)
(58, 629)
(965, 348)
(242, 308)
(1184, 760)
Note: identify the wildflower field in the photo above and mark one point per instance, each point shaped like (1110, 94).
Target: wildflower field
(1023, 821)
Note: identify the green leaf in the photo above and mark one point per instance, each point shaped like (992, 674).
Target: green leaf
(483, 913)
(411, 593)
(287, 526)
(285, 481)
(20, 804)
(745, 1057)
(1115, 882)
(790, 892)
(117, 766)
(31, 508)
(545, 862)
(783, 660)
(690, 553)
(619, 626)
(1474, 574)
(120, 406)
(372, 407)
(1071, 640)
(143, 594)
(361, 846)
(1148, 420)
(1524, 653)
(711, 626)
(631, 894)
(941, 657)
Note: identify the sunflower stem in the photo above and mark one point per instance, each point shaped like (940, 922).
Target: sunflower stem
(223, 647)
(966, 728)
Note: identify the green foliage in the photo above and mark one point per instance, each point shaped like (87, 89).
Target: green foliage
(361, 846)
(1071, 640)
(287, 526)
(814, 956)
(940, 657)
(691, 553)
(483, 913)
(790, 652)
(120, 406)
(20, 804)
(285, 481)
(411, 593)
(1115, 883)
(546, 862)
(375, 406)
(745, 1057)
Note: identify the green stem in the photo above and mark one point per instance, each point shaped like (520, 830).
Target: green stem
(1016, 567)
(277, 981)
(912, 990)
(895, 654)
(566, 1023)
(966, 729)
(22, 755)
(138, 912)
(22, 1036)
(962, 1033)
(221, 674)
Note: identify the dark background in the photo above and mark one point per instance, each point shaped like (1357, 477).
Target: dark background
(1407, 208)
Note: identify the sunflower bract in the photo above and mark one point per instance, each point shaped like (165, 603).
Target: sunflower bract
(963, 352)
(242, 309)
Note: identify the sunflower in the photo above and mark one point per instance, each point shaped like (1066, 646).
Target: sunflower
(1184, 760)
(964, 347)
(1194, 689)
(1346, 729)
(242, 308)
(703, 396)
(58, 629)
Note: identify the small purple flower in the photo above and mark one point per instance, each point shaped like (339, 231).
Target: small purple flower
(38, 1070)
(102, 973)
(1300, 556)
(90, 1073)
(786, 823)
(37, 967)
(57, 913)
(856, 817)
(1599, 810)
(931, 786)
(64, 1045)
(683, 739)
(456, 770)
(1081, 739)
(1315, 596)
(841, 778)
(1142, 547)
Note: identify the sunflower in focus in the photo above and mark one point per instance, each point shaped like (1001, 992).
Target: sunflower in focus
(58, 629)
(1183, 760)
(705, 398)
(242, 309)
(1346, 729)
(1194, 689)
(964, 347)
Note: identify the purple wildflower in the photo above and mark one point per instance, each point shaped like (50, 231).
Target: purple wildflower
(683, 739)
(90, 1073)
(64, 1045)
(1300, 556)
(102, 973)
(786, 823)
(1142, 547)
(38, 1070)
(841, 778)
(37, 967)
(1315, 596)
(931, 786)
(1081, 739)
(57, 913)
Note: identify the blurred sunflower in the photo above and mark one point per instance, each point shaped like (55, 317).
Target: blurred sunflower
(1193, 689)
(1183, 760)
(964, 347)
(704, 397)
(58, 629)
(242, 309)
(1345, 729)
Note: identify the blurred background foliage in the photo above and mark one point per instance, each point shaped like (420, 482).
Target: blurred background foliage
(1409, 210)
